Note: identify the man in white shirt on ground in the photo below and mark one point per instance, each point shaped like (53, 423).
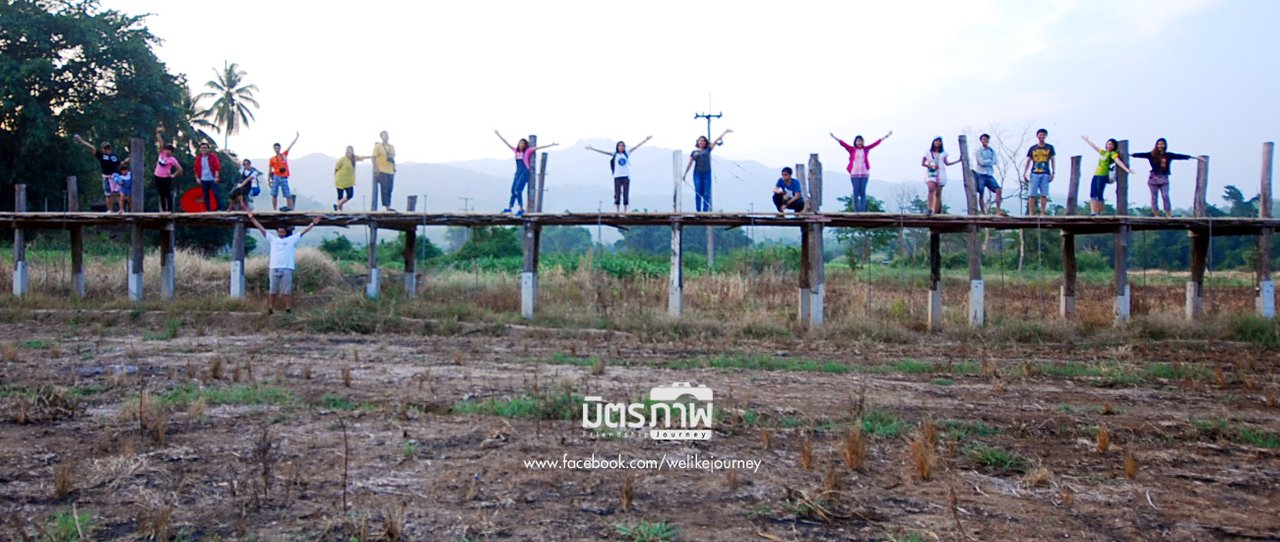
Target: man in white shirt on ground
(284, 245)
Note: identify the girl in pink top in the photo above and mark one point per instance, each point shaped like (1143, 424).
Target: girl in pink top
(524, 169)
(859, 168)
(167, 169)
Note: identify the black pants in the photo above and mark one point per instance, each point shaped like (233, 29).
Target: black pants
(780, 199)
(622, 190)
(164, 186)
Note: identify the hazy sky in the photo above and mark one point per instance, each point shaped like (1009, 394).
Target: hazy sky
(440, 76)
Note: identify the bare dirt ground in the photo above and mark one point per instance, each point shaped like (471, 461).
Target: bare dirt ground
(263, 436)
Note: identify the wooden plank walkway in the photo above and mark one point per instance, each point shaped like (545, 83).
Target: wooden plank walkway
(407, 221)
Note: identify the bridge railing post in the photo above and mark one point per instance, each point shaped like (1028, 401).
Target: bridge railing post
(1199, 244)
(1266, 302)
(1122, 240)
(1067, 294)
(977, 289)
(76, 238)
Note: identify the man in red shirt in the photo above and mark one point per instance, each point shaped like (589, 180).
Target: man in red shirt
(207, 169)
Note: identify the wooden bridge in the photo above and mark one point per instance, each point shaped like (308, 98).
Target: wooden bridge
(812, 221)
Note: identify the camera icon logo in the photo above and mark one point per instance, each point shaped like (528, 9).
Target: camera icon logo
(677, 390)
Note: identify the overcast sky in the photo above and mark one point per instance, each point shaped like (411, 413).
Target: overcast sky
(440, 76)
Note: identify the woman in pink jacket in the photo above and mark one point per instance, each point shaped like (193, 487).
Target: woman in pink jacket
(859, 168)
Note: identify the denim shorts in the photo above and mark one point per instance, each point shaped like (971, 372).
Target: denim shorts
(1040, 184)
(280, 184)
(986, 182)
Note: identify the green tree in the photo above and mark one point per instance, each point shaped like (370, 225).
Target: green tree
(70, 67)
(565, 239)
(861, 244)
(489, 242)
(233, 100)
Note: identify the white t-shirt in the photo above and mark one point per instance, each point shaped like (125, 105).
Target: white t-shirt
(282, 250)
(621, 165)
(937, 173)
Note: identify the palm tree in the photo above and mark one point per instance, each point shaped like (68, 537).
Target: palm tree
(232, 100)
(197, 119)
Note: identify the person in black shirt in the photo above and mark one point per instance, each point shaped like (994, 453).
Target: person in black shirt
(1158, 180)
(108, 162)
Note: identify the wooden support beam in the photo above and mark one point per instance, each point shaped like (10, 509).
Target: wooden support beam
(1199, 203)
(1122, 240)
(804, 187)
(977, 289)
(675, 287)
(1199, 244)
(411, 253)
(1067, 293)
(1195, 286)
(134, 267)
(137, 159)
(166, 261)
(531, 189)
(818, 276)
(237, 261)
(20, 280)
(374, 288)
(529, 275)
(935, 281)
(76, 235)
(805, 282)
(542, 183)
(1266, 302)
(1073, 187)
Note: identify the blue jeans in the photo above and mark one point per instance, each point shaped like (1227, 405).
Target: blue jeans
(702, 190)
(1098, 188)
(859, 193)
(518, 185)
(209, 189)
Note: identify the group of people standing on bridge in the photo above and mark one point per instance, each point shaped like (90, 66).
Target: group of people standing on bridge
(1038, 170)
(117, 180)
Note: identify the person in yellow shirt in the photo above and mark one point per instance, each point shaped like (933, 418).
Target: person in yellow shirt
(344, 176)
(384, 172)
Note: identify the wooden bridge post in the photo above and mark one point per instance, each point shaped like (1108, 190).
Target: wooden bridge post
(977, 298)
(1266, 303)
(542, 183)
(167, 261)
(675, 289)
(532, 240)
(237, 261)
(411, 253)
(1122, 240)
(135, 261)
(1199, 244)
(19, 243)
(531, 189)
(137, 159)
(935, 280)
(76, 234)
(1067, 294)
(805, 284)
(374, 288)
(817, 277)
(529, 276)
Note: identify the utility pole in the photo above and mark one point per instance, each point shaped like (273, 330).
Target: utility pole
(711, 240)
(466, 204)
